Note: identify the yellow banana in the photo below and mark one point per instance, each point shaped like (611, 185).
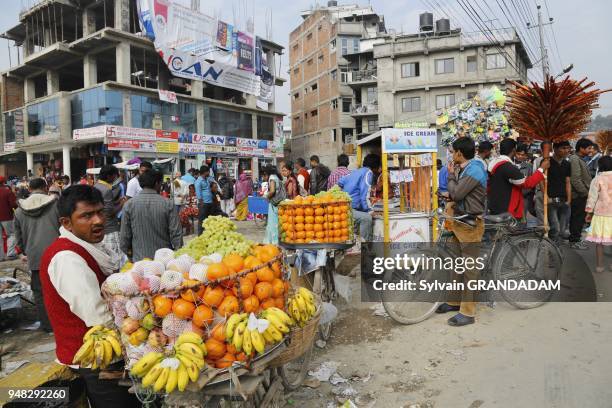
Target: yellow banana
(192, 369)
(232, 323)
(150, 378)
(247, 344)
(203, 348)
(182, 378)
(273, 332)
(146, 363)
(94, 363)
(99, 354)
(188, 337)
(91, 331)
(85, 349)
(268, 337)
(282, 315)
(198, 362)
(258, 342)
(190, 349)
(301, 304)
(276, 322)
(115, 344)
(172, 381)
(108, 352)
(237, 339)
(161, 380)
(307, 294)
(295, 310)
(310, 307)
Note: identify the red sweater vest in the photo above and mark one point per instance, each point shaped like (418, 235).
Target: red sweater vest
(68, 327)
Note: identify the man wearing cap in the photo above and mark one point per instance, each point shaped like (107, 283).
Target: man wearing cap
(8, 203)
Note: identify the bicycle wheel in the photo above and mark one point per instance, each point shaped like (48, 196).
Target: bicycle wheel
(527, 257)
(410, 307)
(294, 372)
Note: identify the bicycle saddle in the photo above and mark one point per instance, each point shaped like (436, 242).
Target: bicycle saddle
(498, 218)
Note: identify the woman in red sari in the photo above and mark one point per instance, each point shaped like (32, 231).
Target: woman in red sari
(291, 183)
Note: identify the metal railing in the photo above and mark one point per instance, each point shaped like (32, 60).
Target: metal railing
(364, 75)
(363, 109)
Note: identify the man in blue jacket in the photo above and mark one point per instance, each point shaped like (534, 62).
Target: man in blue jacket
(358, 185)
(203, 190)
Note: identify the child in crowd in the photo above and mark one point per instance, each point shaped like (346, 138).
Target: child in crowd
(599, 210)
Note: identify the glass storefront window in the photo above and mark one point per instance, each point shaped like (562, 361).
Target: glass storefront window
(96, 107)
(265, 128)
(10, 130)
(179, 117)
(43, 118)
(224, 122)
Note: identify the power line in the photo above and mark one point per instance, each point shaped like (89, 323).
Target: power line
(552, 29)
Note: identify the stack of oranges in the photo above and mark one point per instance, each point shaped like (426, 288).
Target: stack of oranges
(315, 219)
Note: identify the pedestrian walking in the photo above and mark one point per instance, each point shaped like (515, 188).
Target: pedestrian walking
(580, 179)
(303, 177)
(8, 203)
(244, 188)
(318, 175)
(599, 210)
(226, 187)
(522, 162)
(276, 194)
(149, 221)
(339, 172)
(113, 204)
(72, 270)
(36, 227)
(559, 190)
(205, 198)
(180, 191)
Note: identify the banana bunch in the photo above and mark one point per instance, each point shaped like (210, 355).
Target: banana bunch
(238, 334)
(175, 372)
(280, 324)
(302, 306)
(100, 346)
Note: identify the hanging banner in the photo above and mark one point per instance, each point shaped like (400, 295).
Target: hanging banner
(167, 96)
(167, 147)
(419, 140)
(197, 46)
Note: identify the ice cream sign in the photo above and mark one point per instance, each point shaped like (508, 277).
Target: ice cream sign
(411, 140)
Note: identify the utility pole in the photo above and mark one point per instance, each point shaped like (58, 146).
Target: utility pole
(543, 50)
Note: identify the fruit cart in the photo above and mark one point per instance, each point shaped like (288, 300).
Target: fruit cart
(219, 327)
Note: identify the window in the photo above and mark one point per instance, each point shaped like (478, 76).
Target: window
(445, 101)
(296, 95)
(305, 90)
(411, 104)
(13, 124)
(471, 95)
(314, 87)
(309, 36)
(344, 76)
(314, 113)
(332, 45)
(43, 118)
(320, 27)
(179, 117)
(344, 44)
(225, 122)
(410, 69)
(355, 45)
(334, 75)
(321, 58)
(310, 61)
(265, 128)
(347, 135)
(95, 107)
(334, 104)
(372, 93)
(496, 61)
(296, 70)
(346, 105)
(472, 65)
(372, 125)
(295, 47)
(445, 66)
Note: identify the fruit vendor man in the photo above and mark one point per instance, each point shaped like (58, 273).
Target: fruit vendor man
(72, 270)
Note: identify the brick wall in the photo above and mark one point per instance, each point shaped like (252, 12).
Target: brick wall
(12, 93)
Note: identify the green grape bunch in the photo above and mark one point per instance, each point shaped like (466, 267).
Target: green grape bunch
(220, 236)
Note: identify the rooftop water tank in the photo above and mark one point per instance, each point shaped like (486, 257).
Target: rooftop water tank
(332, 3)
(426, 22)
(443, 26)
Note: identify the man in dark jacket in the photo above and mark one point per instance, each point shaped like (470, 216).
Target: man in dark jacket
(113, 204)
(467, 181)
(318, 175)
(36, 227)
(8, 202)
(580, 179)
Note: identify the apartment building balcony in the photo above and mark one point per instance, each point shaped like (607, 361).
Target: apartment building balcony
(360, 110)
(365, 77)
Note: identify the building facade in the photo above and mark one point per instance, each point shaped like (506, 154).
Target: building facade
(322, 102)
(91, 68)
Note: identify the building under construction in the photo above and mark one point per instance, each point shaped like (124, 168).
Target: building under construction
(85, 64)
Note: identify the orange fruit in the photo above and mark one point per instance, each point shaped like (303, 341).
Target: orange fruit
(343, 216)
(231, 349)
(234, 262)
(287, 227)
(336, 225)
(263, 290)
(309, 219)
(337, 233)
(298, 219)
(300, 234)
(309, 227)
(319, 219)
(276, 268)
(319, 235)
(268, 303)
(344, 224)
(251, 262)
(192, 295)
(308, 211)
(241, 357)
(299, 211)
(298, 199)
(162, 305)
(251, 304)
(265, 275)
(217, 271)
(252, 276)
(218, 332)
(279, 302)
(318, 227)
(245, 287)
(203, 316)
(300, 227)
(215, 349)
(183, 309)
(213, 296)
(337, 210)
(337, 218)
(299, 241)
(319, 211)
(229, 306)
(278, 288)
(310, 234)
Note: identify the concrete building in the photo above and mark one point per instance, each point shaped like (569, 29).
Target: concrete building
(320, 70)
(85, 64)
(418, 74)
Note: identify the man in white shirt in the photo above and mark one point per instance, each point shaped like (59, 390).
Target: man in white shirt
(133, 186)
(72, 270)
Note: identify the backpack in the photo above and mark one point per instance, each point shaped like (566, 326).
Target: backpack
(281, 192)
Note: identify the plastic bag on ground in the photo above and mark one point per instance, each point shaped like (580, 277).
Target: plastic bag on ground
(343, 286)
(328, 313)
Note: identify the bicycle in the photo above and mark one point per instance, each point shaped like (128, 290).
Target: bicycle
(514, 254)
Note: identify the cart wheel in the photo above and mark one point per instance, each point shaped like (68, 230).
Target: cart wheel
(294, 372)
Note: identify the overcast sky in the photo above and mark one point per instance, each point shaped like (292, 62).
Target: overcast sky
(583, 33)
